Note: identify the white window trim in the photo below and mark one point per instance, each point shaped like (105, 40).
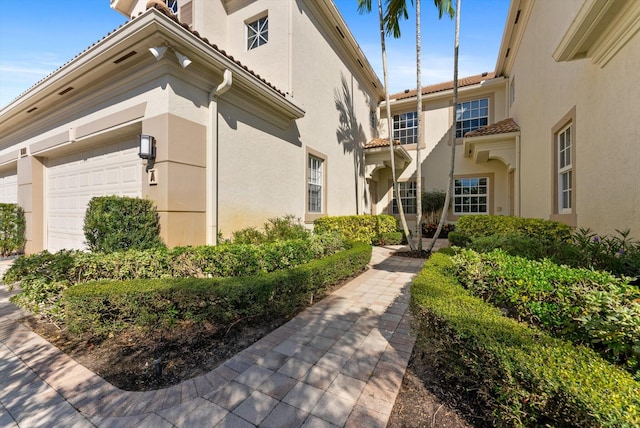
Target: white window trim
(479, 195)
(460, 113)
(566, 169)
(397, 119)
(261, 34)
(315, 177)
(402, 187)
(172, 5)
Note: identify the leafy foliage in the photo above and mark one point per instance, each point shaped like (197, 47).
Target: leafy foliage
(363, 228)
(432, 205)
(519, 375)
(104, 307)
(117, 223)
(12, 228)
(589, 307)
(486, 225)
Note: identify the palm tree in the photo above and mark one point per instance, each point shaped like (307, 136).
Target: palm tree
(397, 9)
(452, 133)
(365, 6)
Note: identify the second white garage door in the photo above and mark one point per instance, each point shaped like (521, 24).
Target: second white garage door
(8, 187)
(74, 179)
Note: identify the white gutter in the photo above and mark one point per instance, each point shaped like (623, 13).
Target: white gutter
(212, 158)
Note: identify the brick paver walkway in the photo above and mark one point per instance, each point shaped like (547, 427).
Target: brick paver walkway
(338, 363)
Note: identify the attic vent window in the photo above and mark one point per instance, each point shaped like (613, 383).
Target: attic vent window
(172, 5)
(23, 152)
(64, 91)
(32, 109)
(257, 33)
(125, 57)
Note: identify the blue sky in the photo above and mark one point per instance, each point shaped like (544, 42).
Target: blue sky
(35, 42)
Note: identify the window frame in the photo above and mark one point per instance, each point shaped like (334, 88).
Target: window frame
(486, 195)
(486, 118)
(564, 153)
(310, 154)
(406, 198)
(173, 6)
(560, 213)
(260, 32)
(399, 129)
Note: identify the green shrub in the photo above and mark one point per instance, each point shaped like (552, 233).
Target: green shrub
(589, 307)
(284, 229)
(458, 239)
(432, 205)
(248, 235)
(363, 228)
(390, 238)
(117, 223)
(519, 375)
(487, 225)
(105, 307)
(516, 245)
(12, 228)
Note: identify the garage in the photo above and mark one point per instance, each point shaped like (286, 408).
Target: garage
(72, 180)
(8, 186)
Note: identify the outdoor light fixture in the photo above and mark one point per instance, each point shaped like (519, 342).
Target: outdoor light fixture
(147, 147)
(158, 52)
(183, 60)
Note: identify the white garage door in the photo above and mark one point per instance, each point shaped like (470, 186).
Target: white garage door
(8, 187)
(73, 180)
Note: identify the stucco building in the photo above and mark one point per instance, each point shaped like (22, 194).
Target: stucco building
(265, 108)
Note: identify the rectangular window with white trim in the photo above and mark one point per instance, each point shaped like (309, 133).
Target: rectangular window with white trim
(405, 127)
(314, 184)
(471, 115)
(408, 195)
(471, 195)
(565, 169)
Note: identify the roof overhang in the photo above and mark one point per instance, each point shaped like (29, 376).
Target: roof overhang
(517, 18)
(500, 147)
(128, 45)
(600, 29)
(377, 158)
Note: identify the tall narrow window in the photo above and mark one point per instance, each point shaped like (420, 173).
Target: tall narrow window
(405, 127)
(565, 170)
(257, 33)
(408, 193)
(314, 184)
(471, 195)
(471, 115)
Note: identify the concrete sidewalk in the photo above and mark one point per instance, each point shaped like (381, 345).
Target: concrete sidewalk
(338, 363)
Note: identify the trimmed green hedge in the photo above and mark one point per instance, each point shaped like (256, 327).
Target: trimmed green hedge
(474, 226)
(118, 223)
(521, 376)
(363, 228)
(105, 307)
(590, 307)
(12, 228)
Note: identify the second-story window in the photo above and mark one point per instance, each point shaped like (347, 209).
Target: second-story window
(172, 5)
(471, 115)
(405, 127)
(257, 32)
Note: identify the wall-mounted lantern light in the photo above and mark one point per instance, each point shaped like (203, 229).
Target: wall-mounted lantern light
(147, 147)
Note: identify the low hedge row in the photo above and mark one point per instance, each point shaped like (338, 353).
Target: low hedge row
(590, 307)
(472, 226)
(364, 228)
(519, 375)
(105, 307)
(42, 276)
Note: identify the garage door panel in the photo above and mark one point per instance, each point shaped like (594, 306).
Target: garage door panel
(9, 187)
(73, 180)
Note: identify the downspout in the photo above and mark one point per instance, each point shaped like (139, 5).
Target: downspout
(212, 159)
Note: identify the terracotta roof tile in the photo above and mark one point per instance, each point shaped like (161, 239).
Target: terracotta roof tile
(445, 86)
(380, 142)
(503, 127)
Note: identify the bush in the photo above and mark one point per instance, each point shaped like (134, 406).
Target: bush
(12, 228)
(519, 375)
(432, 204)
(429, 229)
(106, 307)
(363, 228)
(458, 239)
(390, 238)
(248, 235)
(589, 307)
(486, 225)
(516, 245)
(117, 223)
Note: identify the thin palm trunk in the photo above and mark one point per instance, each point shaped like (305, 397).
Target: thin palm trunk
(452, 132)
(396, 190)
(419, 136)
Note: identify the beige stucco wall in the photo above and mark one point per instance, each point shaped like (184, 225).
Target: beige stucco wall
(606, 128)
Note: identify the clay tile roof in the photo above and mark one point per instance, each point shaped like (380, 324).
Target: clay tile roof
(445, 86)
(503, 127)
(380, 142)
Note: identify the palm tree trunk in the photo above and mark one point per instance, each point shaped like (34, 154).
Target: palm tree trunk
(396, 190)
(452, 131)
(419, 136)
